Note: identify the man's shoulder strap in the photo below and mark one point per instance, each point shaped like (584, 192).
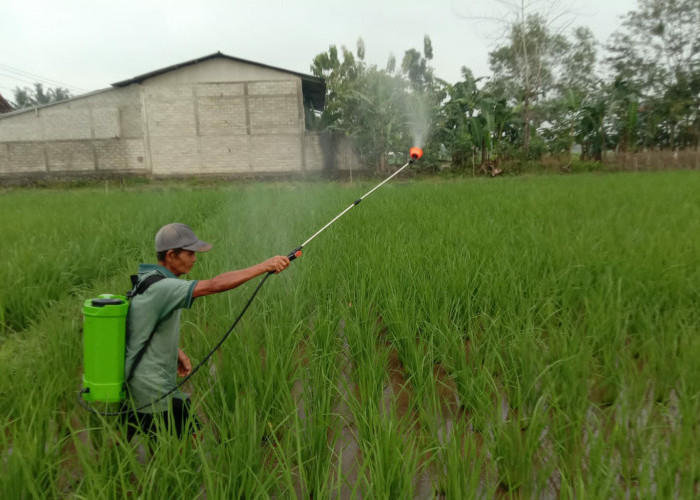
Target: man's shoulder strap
(143, 286)
(139, 288)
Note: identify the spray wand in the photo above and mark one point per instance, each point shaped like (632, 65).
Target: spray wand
(415, 153)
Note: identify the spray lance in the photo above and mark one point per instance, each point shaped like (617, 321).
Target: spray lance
(415, 152)
(105, 324)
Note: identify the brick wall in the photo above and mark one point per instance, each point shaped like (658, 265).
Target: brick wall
(225, 128)
(313, 153)
(23, 158)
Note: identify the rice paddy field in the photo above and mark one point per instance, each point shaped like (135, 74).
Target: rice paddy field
(532, 337)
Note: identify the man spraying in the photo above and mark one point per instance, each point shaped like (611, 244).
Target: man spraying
(153, 356)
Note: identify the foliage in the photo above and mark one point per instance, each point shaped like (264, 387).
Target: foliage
(526, 67)
(384, 111)
(467, 121)
(655, 58)
(547, 95)
(27, 97)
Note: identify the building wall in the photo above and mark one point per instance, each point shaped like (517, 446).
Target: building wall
(220, 70)
(98, 132)
(330, 151)
(209, 128)
(218, 117)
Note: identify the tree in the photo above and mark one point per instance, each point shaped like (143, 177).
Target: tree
(623, 98)
(374, 115)
(577, 83)
(27, 97)
(416, 66)
(467, 121)
(391, 63)
(590, 130)
(383, 111)
(525, 68)
(657, 52)
(366, 103)
(340, 77)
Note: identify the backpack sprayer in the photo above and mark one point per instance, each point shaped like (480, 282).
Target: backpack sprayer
(104, 330)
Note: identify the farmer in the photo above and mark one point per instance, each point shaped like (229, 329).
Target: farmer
(153, 357)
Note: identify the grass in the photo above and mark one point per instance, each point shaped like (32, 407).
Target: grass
(468, 338)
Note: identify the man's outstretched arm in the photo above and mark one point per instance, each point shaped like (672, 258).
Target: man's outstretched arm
(232, 279)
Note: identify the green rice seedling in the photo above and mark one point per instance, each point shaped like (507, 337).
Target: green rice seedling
(416, 360)
(390, 456)
(567, 390)
(235, 451)
(100, 462)
(32, 452)
(367, 359)
(460, 450)
(523, 370)
(678, 473)
(599, 475)
(261, 369)
(316, 423)
(517, 449)
(475, 386)
(633, 435)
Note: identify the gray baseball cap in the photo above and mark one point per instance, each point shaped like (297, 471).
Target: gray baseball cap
(177, 235)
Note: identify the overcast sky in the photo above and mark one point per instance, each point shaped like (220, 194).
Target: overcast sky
(89, 44)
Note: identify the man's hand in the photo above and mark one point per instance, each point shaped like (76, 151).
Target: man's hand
(184, 367)
(276, 264)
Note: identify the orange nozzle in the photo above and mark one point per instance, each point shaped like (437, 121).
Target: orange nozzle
(298, 254)
(416, 153)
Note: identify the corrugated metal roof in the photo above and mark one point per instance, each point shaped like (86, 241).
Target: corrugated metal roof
(313, 88)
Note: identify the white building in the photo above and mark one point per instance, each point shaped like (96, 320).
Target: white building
(216, 115)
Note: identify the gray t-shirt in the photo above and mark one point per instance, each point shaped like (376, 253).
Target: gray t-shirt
(158, 308)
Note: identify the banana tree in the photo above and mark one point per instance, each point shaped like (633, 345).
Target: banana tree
(590, 131)
(467, 121)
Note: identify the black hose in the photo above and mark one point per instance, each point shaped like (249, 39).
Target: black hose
(84, 404)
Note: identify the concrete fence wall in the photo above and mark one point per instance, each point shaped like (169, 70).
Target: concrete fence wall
(99, 132)
(330, 151)
(654, 160)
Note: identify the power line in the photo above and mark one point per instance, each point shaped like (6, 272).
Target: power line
(5, 75)
(27, 74)
(41, 79)
(21, 87)
(8, 89)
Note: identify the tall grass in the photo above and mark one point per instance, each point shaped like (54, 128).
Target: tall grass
(518, 337)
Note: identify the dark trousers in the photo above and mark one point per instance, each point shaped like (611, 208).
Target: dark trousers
(176, 418)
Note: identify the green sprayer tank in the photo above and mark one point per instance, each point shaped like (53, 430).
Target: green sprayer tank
(104, 328)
